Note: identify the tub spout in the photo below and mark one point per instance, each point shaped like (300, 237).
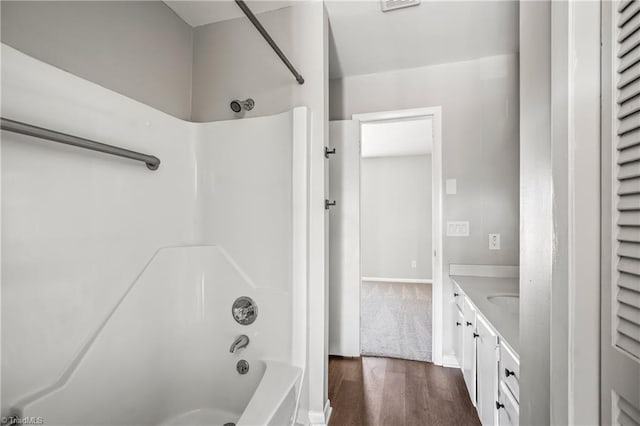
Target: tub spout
(240, 342)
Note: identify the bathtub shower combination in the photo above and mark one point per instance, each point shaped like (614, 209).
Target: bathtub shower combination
(139, 297)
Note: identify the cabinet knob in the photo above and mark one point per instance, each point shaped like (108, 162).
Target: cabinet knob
(508, 373)
(469, 323)
(456, 294)
(476, 335)
(458, 323)
(499, 405)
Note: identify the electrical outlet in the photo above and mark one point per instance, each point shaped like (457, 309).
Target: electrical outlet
(494, 241)
(414, 264)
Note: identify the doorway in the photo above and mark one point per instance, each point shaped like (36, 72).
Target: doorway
(395, 235)
(374, 274)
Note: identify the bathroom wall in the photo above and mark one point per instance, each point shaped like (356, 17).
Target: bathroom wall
(140, 49)
(244, 66)
(232, 60)
(396, 217)
(480, 117)
(309, 51)
(78, 226)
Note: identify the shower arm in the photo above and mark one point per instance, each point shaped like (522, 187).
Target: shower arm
(242, 5)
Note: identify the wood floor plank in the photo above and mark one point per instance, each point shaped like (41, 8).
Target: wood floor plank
(393, 392)
(347, 408)
(374, 371)
(393, 407)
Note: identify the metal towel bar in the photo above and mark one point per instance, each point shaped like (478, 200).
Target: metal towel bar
(39, 132)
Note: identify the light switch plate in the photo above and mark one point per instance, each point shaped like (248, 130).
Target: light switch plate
(458, 229)
(451, 187)
(494, 241)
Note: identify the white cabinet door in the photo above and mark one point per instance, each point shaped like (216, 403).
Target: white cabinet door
(458, 343)
(469, 348)
(487, 374)
(508, 408)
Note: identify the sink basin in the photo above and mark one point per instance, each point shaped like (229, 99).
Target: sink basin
(510, 302)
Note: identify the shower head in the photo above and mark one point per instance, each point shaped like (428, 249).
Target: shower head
(237, 106)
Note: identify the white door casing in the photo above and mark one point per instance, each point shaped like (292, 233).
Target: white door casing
(435, 114)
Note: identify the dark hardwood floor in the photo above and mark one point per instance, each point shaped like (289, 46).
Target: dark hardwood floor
(390, 392)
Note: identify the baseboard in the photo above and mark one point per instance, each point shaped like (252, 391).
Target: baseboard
(328, 409)
(492, 271)
(450, 361)
(397, 280)
(321, 418)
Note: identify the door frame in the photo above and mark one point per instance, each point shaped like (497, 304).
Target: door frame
(437, 305)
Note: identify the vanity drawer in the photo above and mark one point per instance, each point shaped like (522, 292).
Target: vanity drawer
(510, 370)
(458, 296)
(509, 410)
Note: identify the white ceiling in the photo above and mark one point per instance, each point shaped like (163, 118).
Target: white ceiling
(196, 13)
(365, 40)
(397, 138)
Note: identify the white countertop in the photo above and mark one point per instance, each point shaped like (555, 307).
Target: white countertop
(478, 288)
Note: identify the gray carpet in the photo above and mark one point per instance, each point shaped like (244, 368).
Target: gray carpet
(396, 320)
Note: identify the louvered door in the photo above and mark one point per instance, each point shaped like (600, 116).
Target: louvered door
(621, 214)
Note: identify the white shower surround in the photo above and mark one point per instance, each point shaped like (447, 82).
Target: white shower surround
(78, 227)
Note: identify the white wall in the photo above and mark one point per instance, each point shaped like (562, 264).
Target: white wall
(231, 60)
(79, 226)
(396, 217)
(344, 238)
(140, 49)
(480, 116)
(301, 31)
(536, 236)
(245, 180)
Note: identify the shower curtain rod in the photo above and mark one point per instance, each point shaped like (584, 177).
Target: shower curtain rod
(242, 5)
(39, 132)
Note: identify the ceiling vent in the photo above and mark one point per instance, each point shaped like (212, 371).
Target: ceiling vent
(388, 5)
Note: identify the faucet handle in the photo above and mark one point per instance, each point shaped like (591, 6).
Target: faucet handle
(244, 311)
(242, 314)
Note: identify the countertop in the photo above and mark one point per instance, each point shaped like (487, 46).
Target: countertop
(478, 288)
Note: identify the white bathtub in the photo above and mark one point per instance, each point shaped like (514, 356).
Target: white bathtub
(162, 357)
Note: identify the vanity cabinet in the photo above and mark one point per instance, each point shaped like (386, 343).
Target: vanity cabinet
(490, 367)
(459, 335)
(510, 370)
(469, 348)
(487, 353)
(508, 408)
